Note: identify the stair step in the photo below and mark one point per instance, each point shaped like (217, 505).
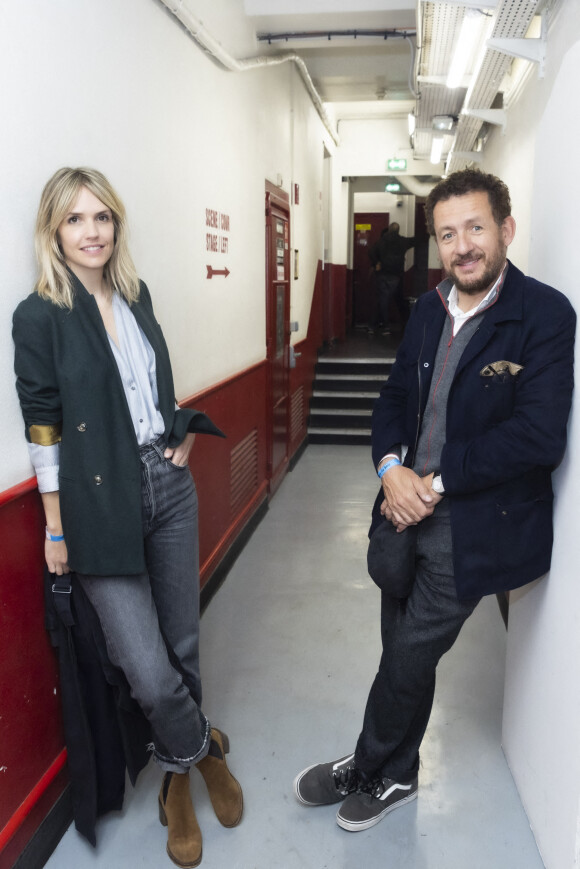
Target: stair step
(349, 378)
(377, 366)
(340, 385)
(343, 411)
(361, 437)
(338, 420)
(372, 360)
(343, 397)
(336, 402)
(323, 393)
(335, 430)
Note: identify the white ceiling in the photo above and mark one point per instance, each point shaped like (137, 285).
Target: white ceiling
(344, 69)
(377, 77)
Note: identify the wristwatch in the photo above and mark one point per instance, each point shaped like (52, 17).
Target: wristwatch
(437, 485)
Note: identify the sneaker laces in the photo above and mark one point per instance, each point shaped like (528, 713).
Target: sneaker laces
(346, 780)
(374, 786)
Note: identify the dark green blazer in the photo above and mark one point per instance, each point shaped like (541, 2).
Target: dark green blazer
(70, 389)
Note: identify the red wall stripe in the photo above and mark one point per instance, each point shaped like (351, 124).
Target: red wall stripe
(28, 804)
(17, 491)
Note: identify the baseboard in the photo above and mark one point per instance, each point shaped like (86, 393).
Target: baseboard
(220, 573)
(48, 834)
(298, 454)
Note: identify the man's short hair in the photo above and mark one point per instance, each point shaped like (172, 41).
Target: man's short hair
(470, 181)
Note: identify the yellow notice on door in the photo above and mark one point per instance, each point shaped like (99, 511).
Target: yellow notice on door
(362, 227)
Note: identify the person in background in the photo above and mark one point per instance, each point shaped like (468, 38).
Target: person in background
(465, 436)
(387, 256)
(110, 448)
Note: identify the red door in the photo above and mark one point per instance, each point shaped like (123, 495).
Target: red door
(367, 231)
(277, 330)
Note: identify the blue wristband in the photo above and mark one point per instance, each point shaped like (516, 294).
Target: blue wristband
(386, 467)
(56, 538)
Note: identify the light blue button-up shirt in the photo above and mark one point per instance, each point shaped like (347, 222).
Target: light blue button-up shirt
(136, 363)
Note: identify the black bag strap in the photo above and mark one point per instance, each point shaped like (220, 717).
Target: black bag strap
(61, 593)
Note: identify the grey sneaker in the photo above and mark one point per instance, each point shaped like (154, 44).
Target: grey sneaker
(373, 801)
(325, 783)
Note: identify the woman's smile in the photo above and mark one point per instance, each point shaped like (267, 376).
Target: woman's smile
(87, 234)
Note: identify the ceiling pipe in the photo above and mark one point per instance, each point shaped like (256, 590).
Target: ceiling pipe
(288, 36)
(419, 48)
(196, 29)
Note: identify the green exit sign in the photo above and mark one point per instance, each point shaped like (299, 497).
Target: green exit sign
(393, 187)
(396, 165)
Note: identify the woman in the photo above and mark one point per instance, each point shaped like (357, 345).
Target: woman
(110, 449)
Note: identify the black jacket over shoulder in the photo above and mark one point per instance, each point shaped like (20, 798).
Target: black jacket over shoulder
(67, 378)
(106, 732)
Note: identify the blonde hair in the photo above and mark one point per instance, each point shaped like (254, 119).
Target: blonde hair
(59, 194)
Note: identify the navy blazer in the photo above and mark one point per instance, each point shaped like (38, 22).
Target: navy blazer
(68, 381)
(505, 432)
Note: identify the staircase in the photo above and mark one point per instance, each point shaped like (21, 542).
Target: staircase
(343, 395)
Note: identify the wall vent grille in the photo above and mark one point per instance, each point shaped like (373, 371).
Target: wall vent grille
(243, 471)
(296, 414)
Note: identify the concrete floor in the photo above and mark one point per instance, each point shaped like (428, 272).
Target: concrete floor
(290, 645)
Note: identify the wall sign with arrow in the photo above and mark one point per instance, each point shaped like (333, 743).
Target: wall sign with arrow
(217, 238)
(211, 272)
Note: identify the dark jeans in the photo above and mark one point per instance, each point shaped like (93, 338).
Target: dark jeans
(150, 621)
(415, 635)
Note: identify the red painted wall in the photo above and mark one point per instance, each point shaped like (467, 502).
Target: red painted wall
(302, 376)
(31, 739)
(237, 406)
(435, 277)
(334, 302)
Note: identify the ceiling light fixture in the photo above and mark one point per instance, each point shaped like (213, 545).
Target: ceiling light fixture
(436, 149)
(443, 123)
(464, 48)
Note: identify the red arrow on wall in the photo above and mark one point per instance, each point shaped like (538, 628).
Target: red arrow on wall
(211, 272)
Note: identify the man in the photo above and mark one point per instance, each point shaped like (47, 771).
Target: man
(388, 258)
(466, 434)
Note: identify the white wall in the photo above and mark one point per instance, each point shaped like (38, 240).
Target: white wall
(122, 87)
(364, 149)
(367, 145)
(536, 157)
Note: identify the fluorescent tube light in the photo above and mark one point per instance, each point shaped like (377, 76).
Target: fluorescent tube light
(436, 149)
(464, 47)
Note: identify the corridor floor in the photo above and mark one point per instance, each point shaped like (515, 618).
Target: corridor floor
(290, 645)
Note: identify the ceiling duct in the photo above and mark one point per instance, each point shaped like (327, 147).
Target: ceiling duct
(208, 42)
(415, 186)
(474, 101)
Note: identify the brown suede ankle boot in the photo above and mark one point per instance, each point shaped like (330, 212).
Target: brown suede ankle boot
(176, 812)
(225, 792)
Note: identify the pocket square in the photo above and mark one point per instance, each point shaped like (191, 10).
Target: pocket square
(502, 367)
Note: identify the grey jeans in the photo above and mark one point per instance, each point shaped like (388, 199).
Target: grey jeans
(150, 621)
(415, 635)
